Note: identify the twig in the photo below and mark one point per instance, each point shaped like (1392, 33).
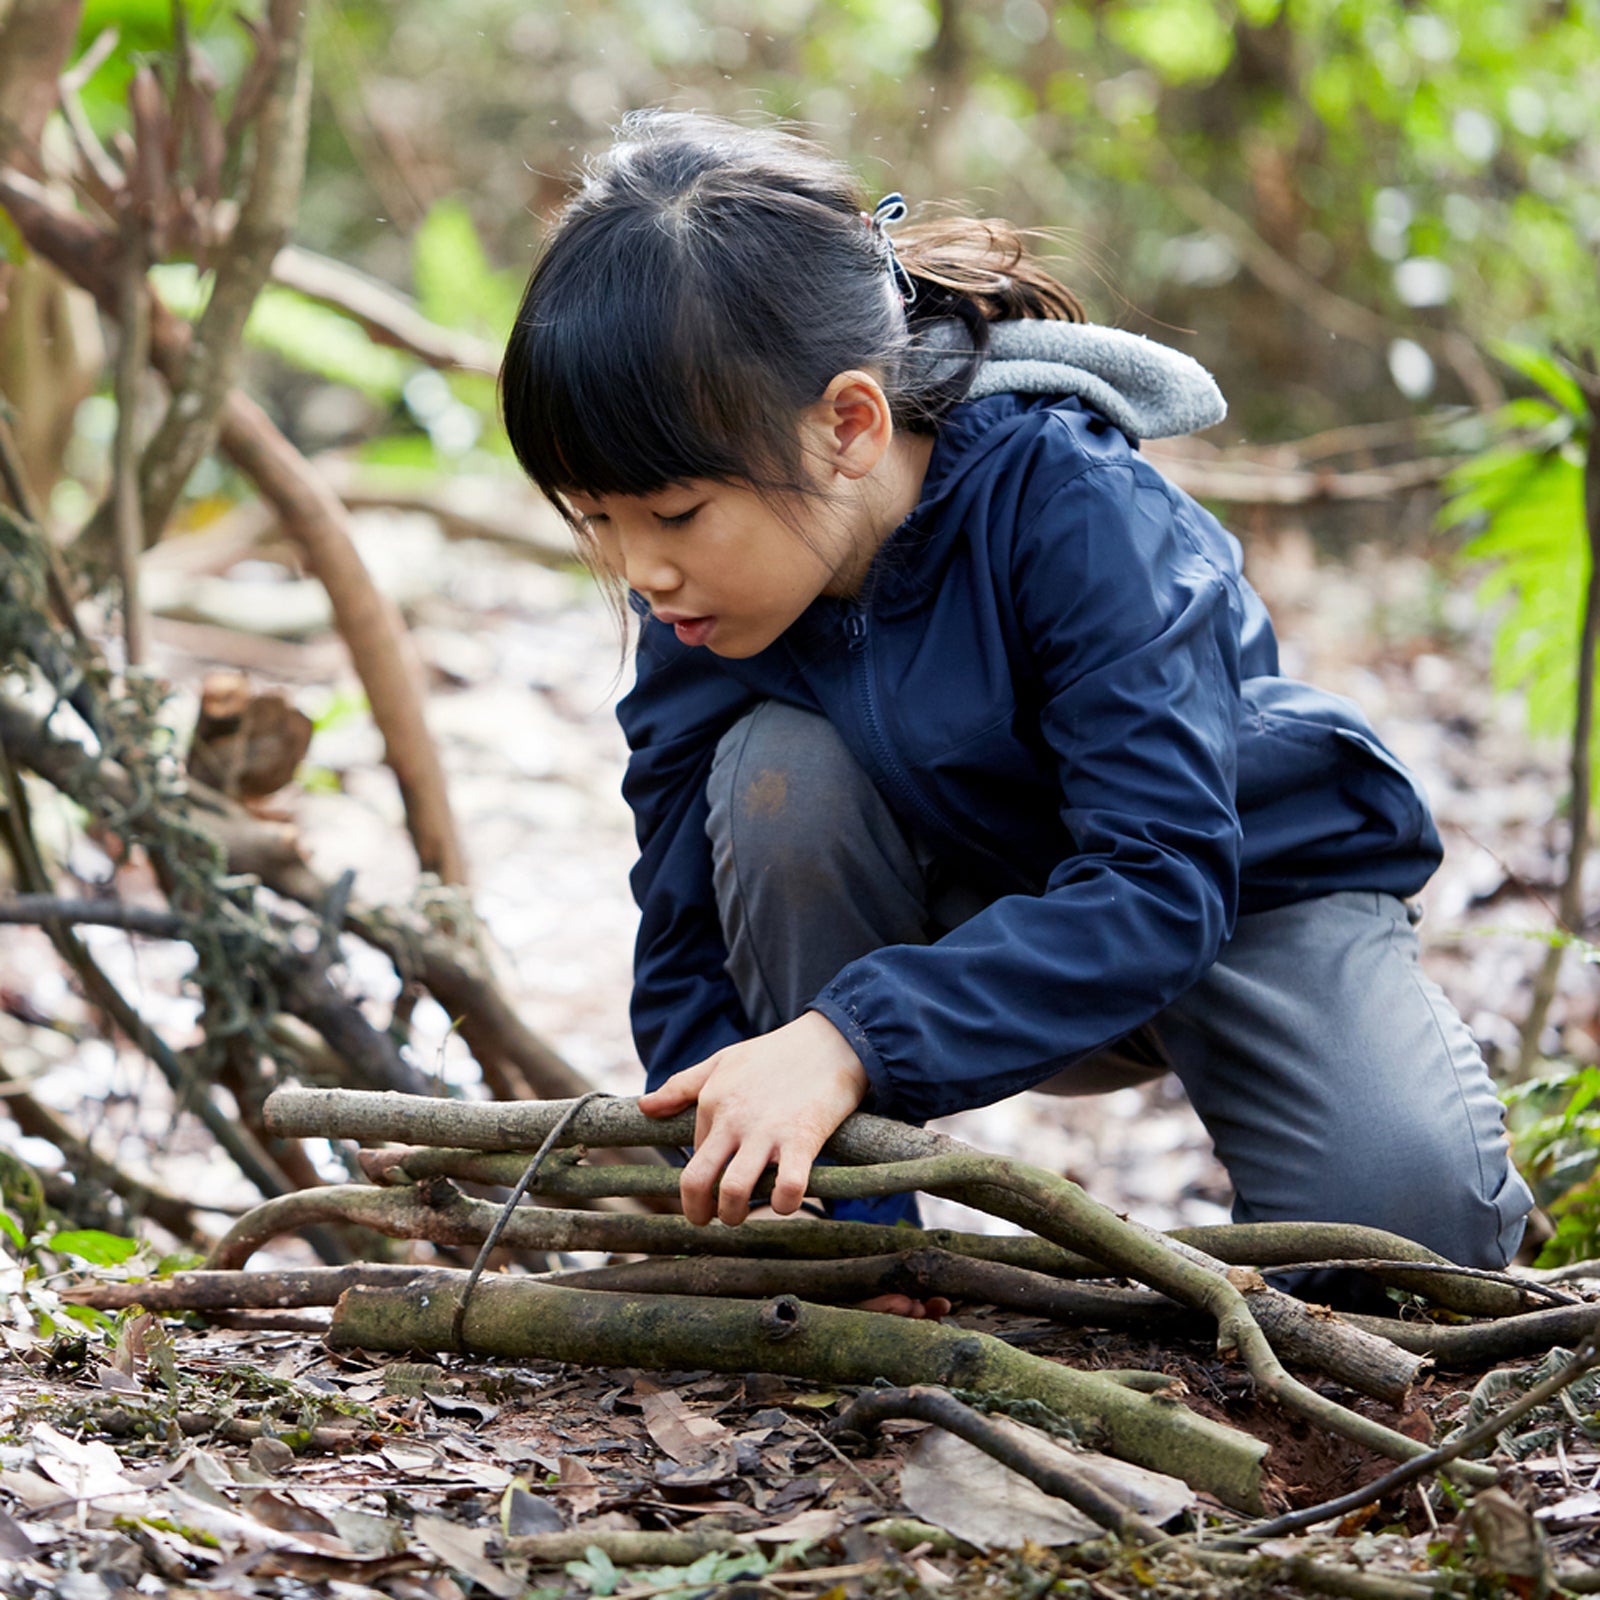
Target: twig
(26, 909)
(189, 427)
(131, 359)
(245, 1291)
(492, 1238)
(1462, 1347)
(388, 317)
(1410, 1274)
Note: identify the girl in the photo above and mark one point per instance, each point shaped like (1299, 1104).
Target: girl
(961, 762)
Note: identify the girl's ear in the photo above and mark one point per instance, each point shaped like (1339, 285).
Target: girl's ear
(850, 428)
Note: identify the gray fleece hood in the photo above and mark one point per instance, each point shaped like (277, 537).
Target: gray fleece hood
(1145, 388)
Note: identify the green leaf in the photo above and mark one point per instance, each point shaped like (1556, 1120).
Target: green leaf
(456, 287)
(316, 339)
(596, 1570)
(1186, 41)
(10, 1227)
(1544, 371)
(91, 1245)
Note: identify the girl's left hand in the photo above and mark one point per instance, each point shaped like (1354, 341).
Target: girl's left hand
(772, 1100)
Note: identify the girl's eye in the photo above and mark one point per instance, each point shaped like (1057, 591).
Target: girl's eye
(681, 520)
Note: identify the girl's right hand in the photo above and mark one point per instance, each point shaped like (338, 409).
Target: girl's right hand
(769, 1101)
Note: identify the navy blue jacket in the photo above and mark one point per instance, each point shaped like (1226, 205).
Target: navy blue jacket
(1057, 675)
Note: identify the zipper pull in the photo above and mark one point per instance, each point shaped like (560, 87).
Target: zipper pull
(855, 630)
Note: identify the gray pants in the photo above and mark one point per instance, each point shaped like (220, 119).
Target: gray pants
(1336, 1080)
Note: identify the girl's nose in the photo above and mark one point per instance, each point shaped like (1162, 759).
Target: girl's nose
(647, 569)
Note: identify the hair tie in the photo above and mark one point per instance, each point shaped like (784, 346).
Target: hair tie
(888, 211)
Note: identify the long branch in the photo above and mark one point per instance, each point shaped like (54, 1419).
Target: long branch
(516, 1318)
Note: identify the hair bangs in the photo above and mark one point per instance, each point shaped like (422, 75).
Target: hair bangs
(615, 392)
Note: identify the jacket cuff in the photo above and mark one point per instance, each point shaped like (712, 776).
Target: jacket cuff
(881, 1098)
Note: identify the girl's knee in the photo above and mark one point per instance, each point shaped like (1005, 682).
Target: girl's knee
(783, 787)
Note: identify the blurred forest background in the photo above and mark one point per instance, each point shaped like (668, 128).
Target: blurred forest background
(1375, 220)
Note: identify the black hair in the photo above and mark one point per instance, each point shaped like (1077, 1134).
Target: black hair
(705, 285)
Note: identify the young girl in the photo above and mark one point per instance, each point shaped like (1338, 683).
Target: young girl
(961, 761)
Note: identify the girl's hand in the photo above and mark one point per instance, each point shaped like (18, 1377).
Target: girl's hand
(772, 1100)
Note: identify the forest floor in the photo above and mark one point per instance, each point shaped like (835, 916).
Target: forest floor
(134, 1466)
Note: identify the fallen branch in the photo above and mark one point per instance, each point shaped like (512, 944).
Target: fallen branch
(438, 1213)
(1051, 1207)
(1279, 1245)
(522, 1320)
(1466, 1346)
(244, 1291)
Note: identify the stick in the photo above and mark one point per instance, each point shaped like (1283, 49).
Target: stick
(511, 1317)
(440, 1214)
(244, 1291)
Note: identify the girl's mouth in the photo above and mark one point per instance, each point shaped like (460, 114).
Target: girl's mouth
(694, 630)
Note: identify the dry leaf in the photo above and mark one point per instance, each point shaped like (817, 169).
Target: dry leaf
(956, 1486)
(462, 1550)
(577, 1486)
(685, 1435)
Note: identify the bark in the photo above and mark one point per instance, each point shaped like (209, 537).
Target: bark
(508, 1317)
(35, 40)
(245, 1291)
(440, 1214)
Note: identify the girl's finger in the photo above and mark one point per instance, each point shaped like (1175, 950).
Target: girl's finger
(678, 1093)
(697, 1182)
(794, 1173)
(739, 1179)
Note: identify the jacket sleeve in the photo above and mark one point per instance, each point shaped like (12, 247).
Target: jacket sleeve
(1125, 646)
(684, 1007)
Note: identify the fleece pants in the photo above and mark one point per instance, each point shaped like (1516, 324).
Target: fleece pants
(1334, 1077)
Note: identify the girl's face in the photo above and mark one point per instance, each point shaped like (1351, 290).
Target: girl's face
(721, 564)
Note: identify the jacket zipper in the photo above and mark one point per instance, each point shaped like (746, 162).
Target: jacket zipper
(855, 627)
(856, 635)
